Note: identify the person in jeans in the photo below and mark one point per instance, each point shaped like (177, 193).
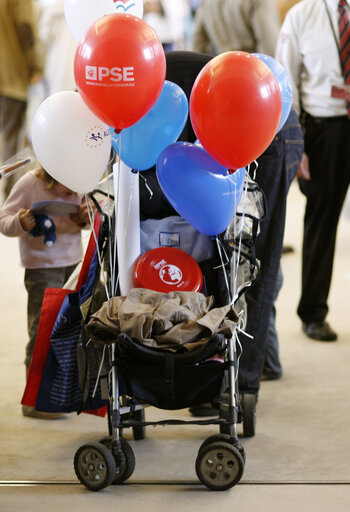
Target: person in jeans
(277, 167)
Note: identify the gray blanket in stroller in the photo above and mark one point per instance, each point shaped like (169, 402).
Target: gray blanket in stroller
(161, 320)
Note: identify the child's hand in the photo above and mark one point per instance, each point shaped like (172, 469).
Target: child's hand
(81, 218)
(26, 219)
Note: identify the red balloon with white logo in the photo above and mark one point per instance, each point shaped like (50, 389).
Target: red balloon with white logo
(120, 69)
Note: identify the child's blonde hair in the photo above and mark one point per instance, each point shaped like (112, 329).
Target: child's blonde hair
(45, 176)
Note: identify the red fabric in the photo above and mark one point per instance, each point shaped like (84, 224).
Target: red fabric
(51, 306)
(52, 303)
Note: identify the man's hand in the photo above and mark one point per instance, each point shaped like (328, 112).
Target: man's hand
(26, 219)
(303, 170)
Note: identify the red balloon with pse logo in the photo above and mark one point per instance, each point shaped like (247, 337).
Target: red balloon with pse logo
(120, 69)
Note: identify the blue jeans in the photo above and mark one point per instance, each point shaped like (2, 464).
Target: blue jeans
(277, 168)
(272, 365)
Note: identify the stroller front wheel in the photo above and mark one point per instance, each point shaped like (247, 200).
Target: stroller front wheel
(219, 465)
(94, 466)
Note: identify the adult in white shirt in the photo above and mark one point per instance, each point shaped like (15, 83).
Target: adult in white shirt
(308, 49)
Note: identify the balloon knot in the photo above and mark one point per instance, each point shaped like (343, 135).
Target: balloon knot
(231, 171)
(117, 131)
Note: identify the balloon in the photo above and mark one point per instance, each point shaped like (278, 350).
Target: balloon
(70, 142)
(81, 14)
(120, 69)
(142, 143)
(283, 82)
(214, 166)
(235, 108)
(206, 199)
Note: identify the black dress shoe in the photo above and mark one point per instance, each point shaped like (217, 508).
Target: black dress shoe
(319, 331)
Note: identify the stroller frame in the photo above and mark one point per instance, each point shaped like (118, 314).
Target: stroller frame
(220, 460)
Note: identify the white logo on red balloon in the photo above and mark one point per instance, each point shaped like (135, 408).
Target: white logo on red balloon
(110, 77)
(95, 136)
(124, 5)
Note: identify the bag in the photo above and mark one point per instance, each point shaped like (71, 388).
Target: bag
(53, 383)
(171, 380)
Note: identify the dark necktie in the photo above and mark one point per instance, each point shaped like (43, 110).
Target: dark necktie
(344, 43)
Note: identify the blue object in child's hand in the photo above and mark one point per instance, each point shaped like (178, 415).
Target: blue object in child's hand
(44, 226)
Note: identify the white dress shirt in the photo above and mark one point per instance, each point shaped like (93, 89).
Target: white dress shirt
(307, 50)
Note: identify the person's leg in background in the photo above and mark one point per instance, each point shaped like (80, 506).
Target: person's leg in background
(327, 147)
(12, 116)
(272, 365)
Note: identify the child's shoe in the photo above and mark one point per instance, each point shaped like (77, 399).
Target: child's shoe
(27, 410)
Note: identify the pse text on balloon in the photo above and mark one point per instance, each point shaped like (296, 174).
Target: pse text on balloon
(115, 74)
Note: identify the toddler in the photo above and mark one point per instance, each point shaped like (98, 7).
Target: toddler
(45, 266)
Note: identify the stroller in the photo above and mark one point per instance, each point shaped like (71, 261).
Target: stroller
(133, 376)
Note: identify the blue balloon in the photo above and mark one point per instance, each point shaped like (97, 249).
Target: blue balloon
(142, 143)
(284, 85)
(207, 199)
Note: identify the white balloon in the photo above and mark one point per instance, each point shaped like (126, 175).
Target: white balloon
(81, 14)
(70, 142)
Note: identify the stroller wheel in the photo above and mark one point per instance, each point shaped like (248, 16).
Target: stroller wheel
(125, 462)
(94, 466)
(248, 409)
(226, 439)
(216, 438)
(219, 466)
(138, 431)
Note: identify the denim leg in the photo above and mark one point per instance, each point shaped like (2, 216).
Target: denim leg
(272, 364)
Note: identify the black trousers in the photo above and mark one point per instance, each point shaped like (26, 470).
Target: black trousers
(327, 144)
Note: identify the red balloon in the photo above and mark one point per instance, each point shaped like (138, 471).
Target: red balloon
(120, 69)
(235, 108)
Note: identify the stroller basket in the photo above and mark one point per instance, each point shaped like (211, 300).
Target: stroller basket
(171, 380)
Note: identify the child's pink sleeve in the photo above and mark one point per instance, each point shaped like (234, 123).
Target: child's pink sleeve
(9, 213)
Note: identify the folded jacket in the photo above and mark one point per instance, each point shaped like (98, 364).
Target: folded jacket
(161, 320)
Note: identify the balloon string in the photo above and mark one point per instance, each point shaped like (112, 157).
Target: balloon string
(223, 265)
(255, 169)
(236, 257)
(134, 178)
(115, 280)
(91, 219)
(110, 234)
(147, 186)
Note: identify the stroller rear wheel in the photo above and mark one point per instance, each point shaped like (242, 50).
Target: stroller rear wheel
(94, 466)
(138, 431)
(219, 465)
(125, 462)
(248, 411)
